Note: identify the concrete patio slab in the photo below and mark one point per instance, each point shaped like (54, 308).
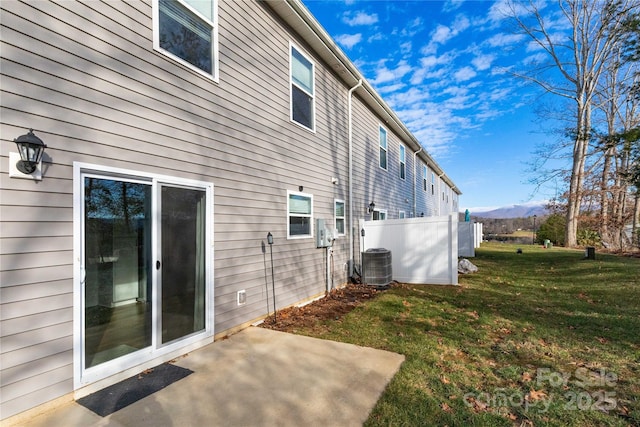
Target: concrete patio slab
(257, 377)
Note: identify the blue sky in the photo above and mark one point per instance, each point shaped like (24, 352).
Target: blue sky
(441, 65)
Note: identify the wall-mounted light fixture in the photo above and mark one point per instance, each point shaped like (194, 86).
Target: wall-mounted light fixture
(31, 149)
(372, 206)
(27, 162)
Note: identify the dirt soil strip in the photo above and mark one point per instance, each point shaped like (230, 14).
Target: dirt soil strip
(332, 306)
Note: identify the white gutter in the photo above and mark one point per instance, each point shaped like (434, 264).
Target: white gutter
(415, 153)
(350, 127)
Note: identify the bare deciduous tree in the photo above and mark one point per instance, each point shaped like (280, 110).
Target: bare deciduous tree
(578, 40)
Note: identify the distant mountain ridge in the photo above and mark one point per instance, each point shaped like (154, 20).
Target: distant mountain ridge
(513, 211)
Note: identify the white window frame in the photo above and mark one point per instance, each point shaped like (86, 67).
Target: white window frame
(402, 215)
(336, 217)
(292, 46)
(380, 213)
(425, 172)
(385, 148)
(214, 75)
(310, 216)
(403, 161)
(433, 184)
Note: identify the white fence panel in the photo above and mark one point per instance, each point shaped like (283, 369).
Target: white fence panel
(478, 234)
(466, 239)
(423, 250)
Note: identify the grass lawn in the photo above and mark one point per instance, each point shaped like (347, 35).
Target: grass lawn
(541, 338)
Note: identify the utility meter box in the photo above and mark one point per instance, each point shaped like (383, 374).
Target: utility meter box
(324, 235)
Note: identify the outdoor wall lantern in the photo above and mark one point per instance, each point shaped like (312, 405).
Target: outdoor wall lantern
(31, 149)
(372, 206)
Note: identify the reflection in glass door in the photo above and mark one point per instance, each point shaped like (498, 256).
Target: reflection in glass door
(117, 252)
(183, 278)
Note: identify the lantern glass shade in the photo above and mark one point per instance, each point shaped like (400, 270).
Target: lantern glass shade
(270, 238)
(31, 149)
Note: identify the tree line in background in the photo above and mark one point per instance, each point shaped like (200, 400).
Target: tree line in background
(588, 57)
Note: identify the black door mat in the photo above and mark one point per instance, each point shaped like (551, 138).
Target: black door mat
(120, 395)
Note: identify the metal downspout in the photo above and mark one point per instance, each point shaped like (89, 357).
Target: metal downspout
(440, 191)
(350, 125)
(415, 214)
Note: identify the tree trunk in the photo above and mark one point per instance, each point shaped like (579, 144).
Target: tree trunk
(635, 232)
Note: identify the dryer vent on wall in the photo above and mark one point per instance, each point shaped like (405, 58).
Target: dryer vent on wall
(376, 266)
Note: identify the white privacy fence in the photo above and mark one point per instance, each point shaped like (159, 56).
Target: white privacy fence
(469, 238)
(423, 250)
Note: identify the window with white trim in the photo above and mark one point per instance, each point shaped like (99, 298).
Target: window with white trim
(433, 184)
(402, 161)
(302, 89)
(299, 215)
(401, 215)
(424, 177)
(379, 215)
(187, 31)
(383, 147)
(339, 215)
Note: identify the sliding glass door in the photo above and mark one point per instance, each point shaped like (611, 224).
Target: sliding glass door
(145, 274)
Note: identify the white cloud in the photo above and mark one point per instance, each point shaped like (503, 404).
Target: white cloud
(460, 24)
(359, 18)
(376, 37)
(505, 9)
(390, 88)
(500, 94)
(503, 39)
(412, 27)
(483, 62)
(536, 58)
(464, 74)
(406, 47)
(441, 34)
(384, 74)
(451, 5)
(349, 40)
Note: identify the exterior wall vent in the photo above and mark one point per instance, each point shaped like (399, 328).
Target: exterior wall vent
(376, 266)
(242, 297)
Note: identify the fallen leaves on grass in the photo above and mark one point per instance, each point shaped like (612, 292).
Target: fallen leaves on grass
(534, 395)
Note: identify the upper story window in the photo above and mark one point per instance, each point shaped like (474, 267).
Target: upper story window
(402, 161)
(187, 31)
(424, 177)
(339, 216)
(383, 148)
(433, 184)
(300, 215)
(302, 89)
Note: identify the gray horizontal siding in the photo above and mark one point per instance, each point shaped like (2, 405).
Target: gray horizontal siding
(91, 85)
(85, 76)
